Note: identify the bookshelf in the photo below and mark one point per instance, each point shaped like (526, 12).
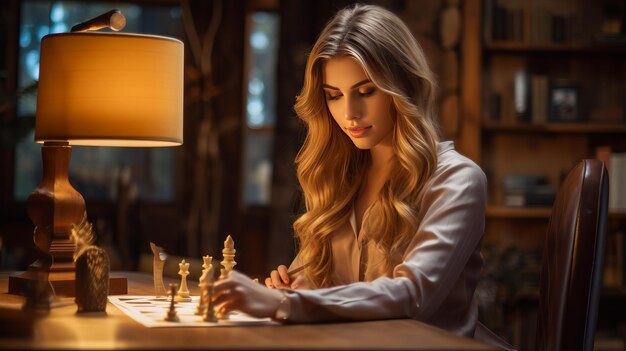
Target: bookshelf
(555, 128)
(530, 213)
(516, 128)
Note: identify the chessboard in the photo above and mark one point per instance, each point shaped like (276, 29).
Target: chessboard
(150, 311)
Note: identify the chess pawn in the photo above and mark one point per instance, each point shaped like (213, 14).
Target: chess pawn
(183, 292)
(92, 280)
(171, 315)
(202, 303)
(207, 294)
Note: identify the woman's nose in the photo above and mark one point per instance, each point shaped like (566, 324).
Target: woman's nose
(353, 109)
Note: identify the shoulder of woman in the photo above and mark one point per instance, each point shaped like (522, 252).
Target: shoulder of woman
(452, 166)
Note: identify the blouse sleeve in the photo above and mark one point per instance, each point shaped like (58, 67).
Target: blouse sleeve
(450, 232)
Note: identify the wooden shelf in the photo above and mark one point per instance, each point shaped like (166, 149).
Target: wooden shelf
(517, 212)
(617, 214)
(517, 47)
(495, 212)
(606, 293)
(573, 128)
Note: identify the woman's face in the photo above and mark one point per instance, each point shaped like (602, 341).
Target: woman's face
(359, 107)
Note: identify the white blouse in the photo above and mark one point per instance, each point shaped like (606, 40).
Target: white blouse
(441, 266)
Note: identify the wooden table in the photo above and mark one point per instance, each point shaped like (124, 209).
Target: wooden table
(62, 328)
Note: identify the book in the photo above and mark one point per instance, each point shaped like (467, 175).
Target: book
(536, 196)
(521, 92)
(539, 99)
(617, 181)
(528, 190)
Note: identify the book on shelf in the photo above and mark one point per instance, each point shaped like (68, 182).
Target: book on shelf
(532, 22)
(617, 181)
(521, 95)
(614, 273)
(615, 163)
(528, 190)
(608, 96)
(537, 196)
(528, 102)
(539, 99)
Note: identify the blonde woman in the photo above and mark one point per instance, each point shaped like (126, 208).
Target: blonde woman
(394, 217)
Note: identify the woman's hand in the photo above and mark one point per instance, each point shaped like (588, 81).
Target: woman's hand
(279, 278)
(239, 292)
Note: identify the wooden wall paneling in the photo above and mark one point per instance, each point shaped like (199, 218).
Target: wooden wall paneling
(468, 142)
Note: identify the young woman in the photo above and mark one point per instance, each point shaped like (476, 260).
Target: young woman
(394, 217)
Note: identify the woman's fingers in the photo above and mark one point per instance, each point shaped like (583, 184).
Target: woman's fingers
(282, 272)
(226, 307)
(276, 280)
(279, 278)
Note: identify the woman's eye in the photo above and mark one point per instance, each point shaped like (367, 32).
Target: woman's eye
(367, 92)
(330, 96)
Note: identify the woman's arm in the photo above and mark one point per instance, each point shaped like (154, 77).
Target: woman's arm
(449, 234)
(434, 268)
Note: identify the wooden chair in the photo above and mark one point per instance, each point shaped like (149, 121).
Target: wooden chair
(572, 261)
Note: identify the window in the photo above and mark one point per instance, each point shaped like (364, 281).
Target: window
(94, 171)
(260, 106)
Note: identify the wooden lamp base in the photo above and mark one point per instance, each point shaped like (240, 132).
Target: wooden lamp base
(55, 207)
(63, 284)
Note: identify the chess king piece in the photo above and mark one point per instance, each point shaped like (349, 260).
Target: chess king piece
(228, 263)
(183, 292)
(171, 315)
(228, 254)
(92, 279)
(158, 261)
(203, 284)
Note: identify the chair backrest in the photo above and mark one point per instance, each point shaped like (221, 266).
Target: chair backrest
(572, 261)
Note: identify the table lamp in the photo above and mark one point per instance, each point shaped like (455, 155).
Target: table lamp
(97, 89)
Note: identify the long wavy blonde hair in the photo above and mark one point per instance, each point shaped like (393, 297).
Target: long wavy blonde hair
(331, 168)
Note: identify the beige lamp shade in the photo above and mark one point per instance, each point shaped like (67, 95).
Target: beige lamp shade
(110, 89)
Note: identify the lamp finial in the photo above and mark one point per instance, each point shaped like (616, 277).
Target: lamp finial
(113, 19)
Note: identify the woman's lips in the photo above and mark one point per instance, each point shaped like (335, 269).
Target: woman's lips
(358, 132)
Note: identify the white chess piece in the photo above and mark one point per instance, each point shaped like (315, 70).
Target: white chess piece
(157, 269)
(206, 263)
(183, 292)
(228, 253)
(203, 283)
(209, 311)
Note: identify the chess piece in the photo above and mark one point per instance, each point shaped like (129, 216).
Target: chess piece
(202, 303)
(228, 254)
(203, 284)
(39, 293)
(92, 279)
(207, 262)
(92, 269)
(209, 315)
(158, 261)
(183, 292)
(172, 316)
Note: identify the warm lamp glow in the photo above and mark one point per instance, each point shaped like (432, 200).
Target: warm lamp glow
(110, 89)
(101, 89)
